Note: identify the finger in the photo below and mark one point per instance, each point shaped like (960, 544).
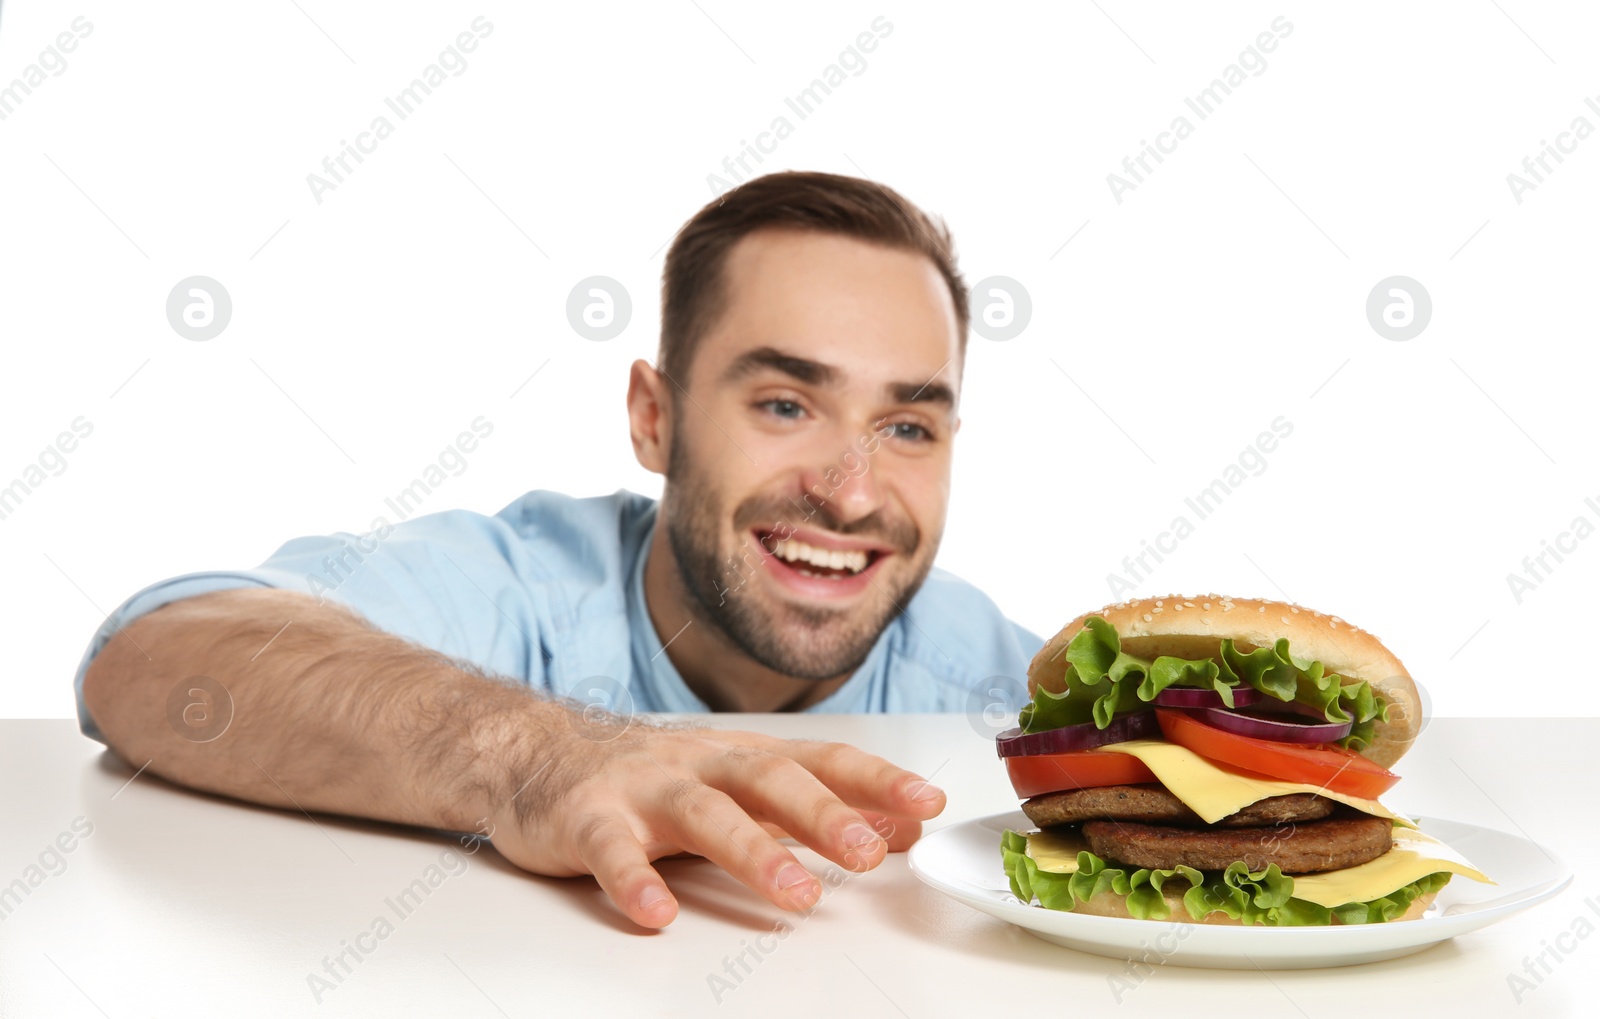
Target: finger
(778, 789)
(899, 832)
(616, 859)
(866, 781)
(709, 822)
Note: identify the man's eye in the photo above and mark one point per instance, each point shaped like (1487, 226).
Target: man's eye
(907, 430)
(783, 408)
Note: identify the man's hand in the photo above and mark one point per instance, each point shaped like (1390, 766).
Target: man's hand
(331, 714)
(611, 806)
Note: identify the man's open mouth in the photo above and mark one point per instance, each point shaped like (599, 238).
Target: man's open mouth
(815, 561)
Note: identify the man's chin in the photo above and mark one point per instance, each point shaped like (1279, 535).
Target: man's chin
(811, 662)
(803, 640)
(808, 622)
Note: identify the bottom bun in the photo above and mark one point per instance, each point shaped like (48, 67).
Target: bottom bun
(1112, 904)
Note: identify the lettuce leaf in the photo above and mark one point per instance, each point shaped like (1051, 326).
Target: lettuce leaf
(1103, 681)
(1263, 898)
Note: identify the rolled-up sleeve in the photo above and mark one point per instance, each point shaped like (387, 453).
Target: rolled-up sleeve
(458, 582)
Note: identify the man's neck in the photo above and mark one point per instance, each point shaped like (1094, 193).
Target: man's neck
(712, 666)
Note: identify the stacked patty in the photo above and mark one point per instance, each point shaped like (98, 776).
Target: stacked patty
(1147, 826)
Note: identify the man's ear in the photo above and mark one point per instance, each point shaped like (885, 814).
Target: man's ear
(649, 417)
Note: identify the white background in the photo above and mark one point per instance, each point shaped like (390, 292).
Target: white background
(1227, 289)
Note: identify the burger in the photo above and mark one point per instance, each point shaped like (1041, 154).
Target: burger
(1219, 760)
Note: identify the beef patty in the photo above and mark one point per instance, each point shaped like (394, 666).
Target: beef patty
(1153, 804)
(1297, 848)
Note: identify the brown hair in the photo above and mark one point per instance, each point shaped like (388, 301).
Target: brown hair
(692, 296)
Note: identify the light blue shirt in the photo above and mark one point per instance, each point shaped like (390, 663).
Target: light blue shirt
(550, 592)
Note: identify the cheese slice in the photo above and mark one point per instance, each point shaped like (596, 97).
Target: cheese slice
(1214, 793)
(1056, 852)
(1413, 856)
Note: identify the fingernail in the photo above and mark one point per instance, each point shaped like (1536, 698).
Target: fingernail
(859, 836)
(653, 896)
(922, 790)
(794, 879)
(793, 874)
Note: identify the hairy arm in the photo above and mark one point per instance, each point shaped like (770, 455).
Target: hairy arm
(330, 714)
(326, 709)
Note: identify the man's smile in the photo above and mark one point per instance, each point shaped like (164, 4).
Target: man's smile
(817, 564)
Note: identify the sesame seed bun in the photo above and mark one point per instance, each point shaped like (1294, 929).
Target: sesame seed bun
(1192, 627)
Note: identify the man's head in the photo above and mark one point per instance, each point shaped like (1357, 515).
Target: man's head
(803, 411)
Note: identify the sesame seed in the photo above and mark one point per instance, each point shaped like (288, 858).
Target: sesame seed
(1283, 619)
(1148, 617)
(1294, 610)
(1177, 608)
(1207, 605)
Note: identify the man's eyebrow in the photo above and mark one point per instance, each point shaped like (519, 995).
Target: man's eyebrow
(802, 369)
(927, 392)
(815, 373)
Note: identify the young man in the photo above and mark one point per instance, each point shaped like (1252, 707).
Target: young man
(803, 410)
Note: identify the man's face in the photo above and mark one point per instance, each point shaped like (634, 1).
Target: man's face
(809, 470)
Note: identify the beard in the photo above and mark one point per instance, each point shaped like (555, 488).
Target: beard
(800, 641)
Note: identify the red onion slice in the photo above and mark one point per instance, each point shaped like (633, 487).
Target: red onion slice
(1015, 743)
(1196, 697)
(1278, 729)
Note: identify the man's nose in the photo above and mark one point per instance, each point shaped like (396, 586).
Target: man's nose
(848, 483)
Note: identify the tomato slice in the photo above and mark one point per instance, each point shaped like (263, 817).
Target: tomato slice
(1331, 767)
(1037, 774)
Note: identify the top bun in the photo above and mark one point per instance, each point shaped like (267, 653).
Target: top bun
(1192, 627)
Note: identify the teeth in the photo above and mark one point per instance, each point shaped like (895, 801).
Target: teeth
(794, 550)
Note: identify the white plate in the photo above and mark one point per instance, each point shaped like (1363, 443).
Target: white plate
(963, 861)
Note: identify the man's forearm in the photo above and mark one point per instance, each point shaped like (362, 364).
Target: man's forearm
(328, 713)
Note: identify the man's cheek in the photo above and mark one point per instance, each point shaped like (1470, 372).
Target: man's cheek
(927, 495)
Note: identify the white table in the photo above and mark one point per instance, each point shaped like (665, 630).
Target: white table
(185, 904)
